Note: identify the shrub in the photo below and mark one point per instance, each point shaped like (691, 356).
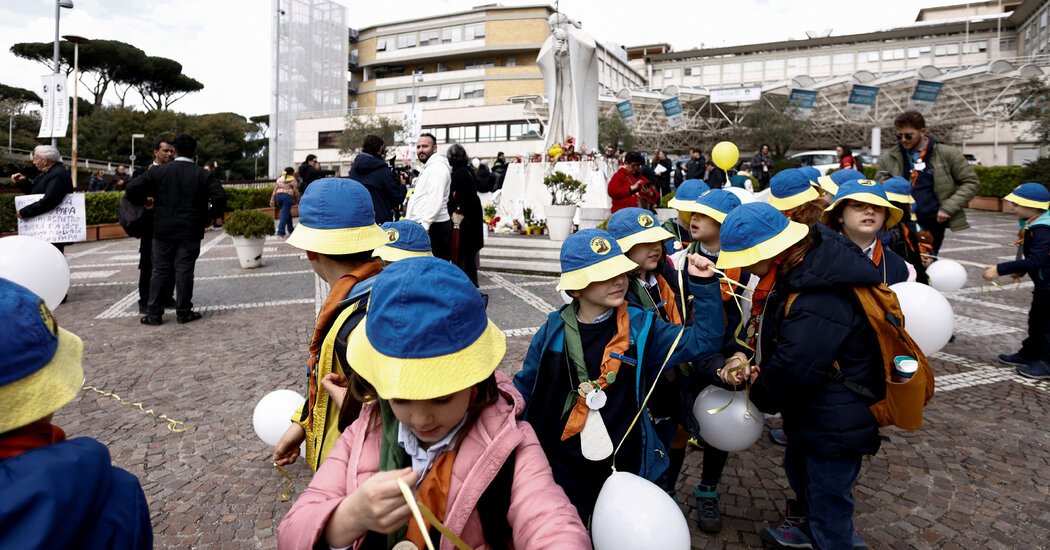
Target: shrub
(248, 198)
(1037, 170)
(666, 199)
(998, 181)
(251, 224)
(8, 221)
(103, 207)
(564, 189)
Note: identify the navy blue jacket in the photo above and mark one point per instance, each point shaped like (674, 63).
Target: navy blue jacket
(54, 184)
(825, 325)
(68, 495)
(893, 268)
(1036, 254)
(377, 176)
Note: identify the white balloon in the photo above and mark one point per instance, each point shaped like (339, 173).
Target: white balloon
(632, 512)
(928, 317)
(946, 275)
(732, 429)
(745, 196)
(36, 265)
(273, 414)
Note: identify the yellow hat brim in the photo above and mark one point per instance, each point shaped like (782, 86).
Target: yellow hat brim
(681, 205)
(894, 217)
(429, 377)
(1021, 201)
(338, 241)
(764, 250)
(828, 184)
(601, 271)
(794, 201)
(904, 199)
(29, 399)
(712, 213)
(654, 234)
(392, 254)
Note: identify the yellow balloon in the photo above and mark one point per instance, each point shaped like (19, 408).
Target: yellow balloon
(725, 155)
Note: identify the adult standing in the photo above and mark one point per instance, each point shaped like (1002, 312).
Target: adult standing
(181, 191)
(846, 158)
(629, 188)
(695, 168)
(942, 181)
(464, 207)
(370, 171)
(762, 166)
(309, 171)
(285, 193)
(52, 181)
(499, 169)
(662, 177)
(428, 204)
(715, 177)
(163, 153)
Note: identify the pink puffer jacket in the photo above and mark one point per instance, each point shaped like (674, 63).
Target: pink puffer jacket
(540, 516)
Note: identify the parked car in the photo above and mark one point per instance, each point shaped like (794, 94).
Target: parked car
(972, 159)
(821, 160)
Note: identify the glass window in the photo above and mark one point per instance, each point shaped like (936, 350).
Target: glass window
(449, 92)
(473, 89)
(753, 69)
(428, 38)
(470, 133)
(796, 65)
(819, 61)
(500, 133)
(404, 95)
(842, 62)
(1042, 20)
(451, 34)
(475, 31)
(670, 73)
(975, 47)
(442, 67)
(441, 134)
(510, 62)
(712, 73)
(381, 44)
(407, 40)
(1007, 44)
(386, 98)
(328, 140)
(480, 63)
(731, 72)
(455, 133)
(946, 49)
(692, 71)
(430, 93)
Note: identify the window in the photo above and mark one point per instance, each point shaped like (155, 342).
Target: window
(407, 40)
(946, 49)
(670, 73)
(1042, 20)
(404, 95)
(386, 98)
(692, 71)
(430, 93)
(451, 34)
(475, 31)
(975, 47)
(510, 62)
(440, 134)
(520, 131)
(381, 44)
(894, 53)
(917, 52)
(796, 65)
(442, 67)
(731, 72)
(328, 140)
(774, 69)
(1008, 44)
(473, 89)
(712, 72)
(429, 38)
(481, 63)
(842, 62)
(449, 92)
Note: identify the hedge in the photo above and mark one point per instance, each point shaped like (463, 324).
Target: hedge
(248, 198)
(8, 221)
(102, 207)
(997, 181)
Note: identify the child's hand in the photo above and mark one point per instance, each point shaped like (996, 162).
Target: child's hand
(736, 369)
(287, 450)
(991, 273)
(377, 505)
(700, 266)
(335, 385)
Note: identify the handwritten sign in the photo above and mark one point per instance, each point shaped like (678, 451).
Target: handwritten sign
(67, 223)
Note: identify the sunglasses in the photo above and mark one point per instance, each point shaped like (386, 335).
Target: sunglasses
(906, 135)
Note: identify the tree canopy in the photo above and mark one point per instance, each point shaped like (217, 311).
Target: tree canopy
(18, 95)
(612, 130)
(770, 121)
(358, 127)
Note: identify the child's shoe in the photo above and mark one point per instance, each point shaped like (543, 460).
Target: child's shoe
(777, 435)
(1038, 370)
(1014, 359)
(709, 518)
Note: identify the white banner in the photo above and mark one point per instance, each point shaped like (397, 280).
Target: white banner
(67, 223)
(54, 116)
(736, 95)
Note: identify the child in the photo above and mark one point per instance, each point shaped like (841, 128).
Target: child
(338, 232)
(1031, 201)
(405, 239)
(685, 194)
(58, 492)
(792, 193)
(903, 238)
(591, 364)
(860, 212)
(427, 405)
(830, 183)
(830, 427)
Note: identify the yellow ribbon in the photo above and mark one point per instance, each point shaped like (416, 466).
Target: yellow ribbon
(423, 515)
(285, 494)
(173, 425)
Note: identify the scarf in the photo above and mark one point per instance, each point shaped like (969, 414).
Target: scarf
(667, 296)
(329, 311)
(32, 436)
(615, 349)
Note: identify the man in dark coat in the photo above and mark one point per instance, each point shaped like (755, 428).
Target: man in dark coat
(163, 153)
(181, 191)
(370, 171)
(53, 182)
(695, 168)
(309, 171)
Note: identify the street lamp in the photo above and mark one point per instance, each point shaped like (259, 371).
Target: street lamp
(132, 157)
(77, 41)
(59, 4)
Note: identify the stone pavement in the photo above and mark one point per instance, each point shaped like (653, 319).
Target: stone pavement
(974, 477)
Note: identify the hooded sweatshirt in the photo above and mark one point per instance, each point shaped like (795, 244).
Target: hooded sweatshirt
(379, 179)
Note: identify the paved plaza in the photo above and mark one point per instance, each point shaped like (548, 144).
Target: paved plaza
(976, 476)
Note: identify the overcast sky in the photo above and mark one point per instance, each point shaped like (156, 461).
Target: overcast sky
(225, 43)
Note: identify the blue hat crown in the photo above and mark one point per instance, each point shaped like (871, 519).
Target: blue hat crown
(810, 172)
(848, 174)
(424, 307)
(629, 221)
(407, 235)
(336, 203)
(788, 183)
(750, 225)
(1032, 191)
(586, 248)
(690, 190)
(855, 187)
(719, 199)
(897, 185)
(29, 336)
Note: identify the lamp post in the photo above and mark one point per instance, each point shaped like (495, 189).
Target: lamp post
(59, 4)
(77, 41)
(132, 157)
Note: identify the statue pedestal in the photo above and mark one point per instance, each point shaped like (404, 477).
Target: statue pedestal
(523, 187)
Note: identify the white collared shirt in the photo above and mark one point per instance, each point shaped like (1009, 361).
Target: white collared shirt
(183, 159)
(424, 457)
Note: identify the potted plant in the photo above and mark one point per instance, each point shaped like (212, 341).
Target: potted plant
(565, 192)
(249, 229)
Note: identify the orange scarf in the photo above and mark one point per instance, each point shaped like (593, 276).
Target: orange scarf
(876, 253)
(733, 274)
(670, 300)
(329, 310)
(616, 347)
(433, 493)
(32, 436)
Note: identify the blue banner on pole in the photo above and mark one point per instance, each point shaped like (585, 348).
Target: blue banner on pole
(927, 90)
(625, 109)
(863, 95)
(802, 99)
(673, 110)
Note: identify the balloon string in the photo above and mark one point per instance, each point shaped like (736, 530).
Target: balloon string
(286, 494)
(423, 515)
(174, 426)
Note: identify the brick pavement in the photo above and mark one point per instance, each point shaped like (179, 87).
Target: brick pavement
(974, 477)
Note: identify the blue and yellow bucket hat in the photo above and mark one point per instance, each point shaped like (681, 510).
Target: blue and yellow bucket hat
(405, 239)
(790, 189)
(336, 217)
(716, 203)
(426, 333)
(686, 195)
(591, 256)
(1032, 195)
(810, 172)
(40, 368)
(831, 182)
(867, 191)
(631, 226)
(755, 232)
(898, 190)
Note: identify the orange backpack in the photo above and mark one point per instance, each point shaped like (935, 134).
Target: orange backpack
(904, 401)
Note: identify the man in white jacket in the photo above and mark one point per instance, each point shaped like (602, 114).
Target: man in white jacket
(429, 202)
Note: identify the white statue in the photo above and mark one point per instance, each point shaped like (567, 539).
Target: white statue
(569, 63)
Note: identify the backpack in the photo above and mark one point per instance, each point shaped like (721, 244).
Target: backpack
(132, 218)
(904, 401)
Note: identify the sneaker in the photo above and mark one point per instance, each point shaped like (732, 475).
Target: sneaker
(777, 435)
(709, 517)
(788, 535)
(1038, 370)
(858, 543)
(1013, 359)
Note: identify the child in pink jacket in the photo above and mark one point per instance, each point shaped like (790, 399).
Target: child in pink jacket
(428, 407)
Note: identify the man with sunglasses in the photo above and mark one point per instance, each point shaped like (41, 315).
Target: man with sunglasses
(942, 181)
